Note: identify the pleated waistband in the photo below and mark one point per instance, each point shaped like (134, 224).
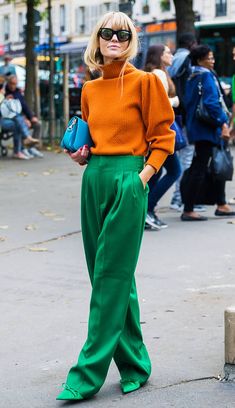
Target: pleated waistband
(116, 162)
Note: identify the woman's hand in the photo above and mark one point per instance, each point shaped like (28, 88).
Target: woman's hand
(80, 156)
(225, 132)
(145, 175)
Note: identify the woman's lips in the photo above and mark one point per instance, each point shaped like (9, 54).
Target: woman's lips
(116, 47)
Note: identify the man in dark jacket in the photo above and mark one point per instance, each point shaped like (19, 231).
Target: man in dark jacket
(31, 120)
(179, 71)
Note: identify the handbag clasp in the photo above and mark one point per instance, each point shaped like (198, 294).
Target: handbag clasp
(70, 127)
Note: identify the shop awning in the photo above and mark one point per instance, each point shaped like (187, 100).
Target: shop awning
(215, 23)
(73, 47)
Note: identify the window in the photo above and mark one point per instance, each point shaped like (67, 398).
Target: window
(145, 7)
(62, 18)
(46, 25)
(81, 20)
(21, 25)
(220, 8)
(94, 15)
(108, 6)
(6, 28)
(165, 5)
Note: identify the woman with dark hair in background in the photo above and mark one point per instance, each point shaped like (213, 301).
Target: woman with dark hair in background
(203, 135)
(158, 58)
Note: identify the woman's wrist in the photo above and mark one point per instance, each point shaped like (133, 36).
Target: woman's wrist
(146, 174)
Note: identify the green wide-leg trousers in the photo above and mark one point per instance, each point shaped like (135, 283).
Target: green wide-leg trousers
(114, 204)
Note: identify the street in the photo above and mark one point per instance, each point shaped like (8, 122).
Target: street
(185, 279)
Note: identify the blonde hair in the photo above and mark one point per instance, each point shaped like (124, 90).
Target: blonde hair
(93, 57)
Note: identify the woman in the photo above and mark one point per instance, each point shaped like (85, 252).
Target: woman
(158, 58)
(204, 136)
(120, 108)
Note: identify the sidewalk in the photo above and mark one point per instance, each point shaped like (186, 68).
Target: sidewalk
(185, 278)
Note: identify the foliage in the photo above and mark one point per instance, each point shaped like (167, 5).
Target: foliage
(165, 5)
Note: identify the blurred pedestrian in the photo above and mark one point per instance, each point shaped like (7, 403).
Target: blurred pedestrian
(158, 58)
(180, 71)
(232, 120)
(7, 68)
(202, 134)
(126, 110)
(13, 122)
(31, 120)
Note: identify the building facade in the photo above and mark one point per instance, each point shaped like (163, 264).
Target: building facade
(73, 21)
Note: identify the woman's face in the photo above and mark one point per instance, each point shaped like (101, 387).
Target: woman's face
(207, 62)
(112, 49)
(167, 57)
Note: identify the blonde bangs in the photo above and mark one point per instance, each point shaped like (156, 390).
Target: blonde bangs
(119, 20)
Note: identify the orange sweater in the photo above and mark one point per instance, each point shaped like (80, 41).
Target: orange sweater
(132, 122)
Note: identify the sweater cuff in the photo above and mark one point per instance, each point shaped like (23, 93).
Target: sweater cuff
(157, 158)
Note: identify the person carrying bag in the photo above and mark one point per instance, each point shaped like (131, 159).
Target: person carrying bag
(204, 135)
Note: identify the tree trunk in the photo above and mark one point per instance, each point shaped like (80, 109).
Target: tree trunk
(51, 79)
(37, 95)
(184, 17)
(30, 56)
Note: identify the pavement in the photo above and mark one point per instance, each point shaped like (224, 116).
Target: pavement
(185, 278)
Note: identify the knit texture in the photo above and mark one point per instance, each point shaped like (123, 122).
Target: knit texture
(129, 117)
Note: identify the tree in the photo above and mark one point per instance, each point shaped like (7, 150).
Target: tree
(31, 76)
(185, 16)
(32, 87)
(30, 53)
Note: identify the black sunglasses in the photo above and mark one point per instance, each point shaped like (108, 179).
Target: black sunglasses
(107, 34)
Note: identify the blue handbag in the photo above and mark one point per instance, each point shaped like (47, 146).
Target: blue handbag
(180, 139)
(76, 135)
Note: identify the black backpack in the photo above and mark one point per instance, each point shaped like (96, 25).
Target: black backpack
(180, 79)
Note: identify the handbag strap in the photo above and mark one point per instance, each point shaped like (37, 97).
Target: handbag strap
(200, 87)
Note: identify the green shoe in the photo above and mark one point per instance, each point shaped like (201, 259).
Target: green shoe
(69, 394)
(129, 386)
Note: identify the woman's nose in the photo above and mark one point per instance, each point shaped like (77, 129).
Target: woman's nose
(114, 37)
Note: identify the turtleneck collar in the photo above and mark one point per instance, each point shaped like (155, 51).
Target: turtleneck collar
(113, 70)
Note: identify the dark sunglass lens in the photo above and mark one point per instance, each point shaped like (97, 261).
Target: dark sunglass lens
(123, 35)
(106, 33)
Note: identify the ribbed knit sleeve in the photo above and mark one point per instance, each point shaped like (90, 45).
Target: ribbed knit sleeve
(157, 116)
(84, 104)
